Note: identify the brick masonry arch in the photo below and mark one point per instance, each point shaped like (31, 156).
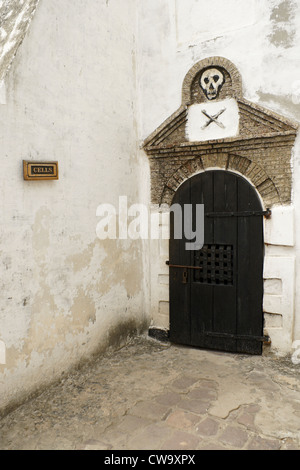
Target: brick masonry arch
(233, 87)
(254, 173)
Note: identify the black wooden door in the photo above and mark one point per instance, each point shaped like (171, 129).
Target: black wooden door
(216, 292)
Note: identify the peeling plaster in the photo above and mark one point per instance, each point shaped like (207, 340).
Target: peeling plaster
(83, 311)
(40, 233)
(80, 261)
(283, 26)
(15, 18)
(121, 265)
(280, 103)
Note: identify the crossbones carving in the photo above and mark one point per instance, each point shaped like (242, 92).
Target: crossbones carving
(213, 118)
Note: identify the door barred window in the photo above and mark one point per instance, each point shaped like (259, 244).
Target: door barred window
(215, 263)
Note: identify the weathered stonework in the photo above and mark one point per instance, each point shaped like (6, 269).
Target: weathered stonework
(261, 151)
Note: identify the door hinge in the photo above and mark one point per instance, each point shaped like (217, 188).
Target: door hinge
(263, 339)
(267, 214)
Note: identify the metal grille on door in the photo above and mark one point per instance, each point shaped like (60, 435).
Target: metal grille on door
(215, 263)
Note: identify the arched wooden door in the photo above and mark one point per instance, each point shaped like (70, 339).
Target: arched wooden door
(216, 292)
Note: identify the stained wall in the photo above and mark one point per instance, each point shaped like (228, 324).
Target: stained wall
(70, 97)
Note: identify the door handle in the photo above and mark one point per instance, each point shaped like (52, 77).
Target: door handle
(182, 266)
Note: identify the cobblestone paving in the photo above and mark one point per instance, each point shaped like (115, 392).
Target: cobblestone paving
(156, 396)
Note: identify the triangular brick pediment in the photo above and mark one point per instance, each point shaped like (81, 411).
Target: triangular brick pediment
(254, 121)
(170, 131)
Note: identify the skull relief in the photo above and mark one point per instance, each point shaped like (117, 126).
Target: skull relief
(211, 82)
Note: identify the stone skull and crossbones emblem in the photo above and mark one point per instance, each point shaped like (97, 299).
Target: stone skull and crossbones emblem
(217, 118)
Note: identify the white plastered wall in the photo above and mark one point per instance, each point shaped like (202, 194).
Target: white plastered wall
(279, 276)
(70, 97)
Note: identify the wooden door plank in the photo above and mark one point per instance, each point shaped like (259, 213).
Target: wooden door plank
(202, 293)
(180, 322)
(250, 270)
(225, 235)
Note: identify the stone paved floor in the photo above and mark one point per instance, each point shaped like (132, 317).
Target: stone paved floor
(156, 396)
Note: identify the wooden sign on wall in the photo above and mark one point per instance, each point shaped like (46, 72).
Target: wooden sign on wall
(40, 170)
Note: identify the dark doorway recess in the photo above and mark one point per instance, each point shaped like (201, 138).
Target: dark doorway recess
(216, 292)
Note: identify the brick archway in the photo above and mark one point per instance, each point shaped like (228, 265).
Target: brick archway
(224, 161)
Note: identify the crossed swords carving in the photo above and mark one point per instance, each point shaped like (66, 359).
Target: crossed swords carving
(213, 118)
